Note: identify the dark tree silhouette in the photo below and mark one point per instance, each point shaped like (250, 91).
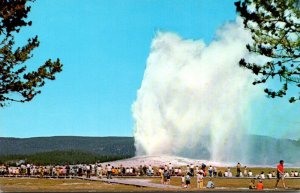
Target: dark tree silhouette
(16, 83)
(275, 29)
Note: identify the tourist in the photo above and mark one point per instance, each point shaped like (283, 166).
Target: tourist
(171, 170)
(245, 171)
(286, 175)
(200, 179)
(187, 180)
(269, 175)
(28, 169)
(188, 169)
(203, 167)
(179, 171)
(169, 177)
(226, 174)
(220, 174)
(67, 169)
(238, 170)
(109, 171)
(150, 170)
(280, 174)
(250, 174)
(165, 176)
(296, 174)
(273, 174)
(192, 170)
(252, 184)
(215, 171)
(99, 170)
(197, 169)
(262, 175)
(182, 181)
(176, 171)
(210, 184)
(210, 171)
(161, 172)
(260, 185)
(88, 171)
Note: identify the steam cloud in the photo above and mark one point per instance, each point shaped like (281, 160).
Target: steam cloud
(194, 97)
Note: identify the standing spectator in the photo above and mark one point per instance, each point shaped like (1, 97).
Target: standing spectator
(200, 179)
(165, 176)
(99, 170)
(238, 170)
(88, 171)
(28, 169)
(182, 181)
(280, 174)
(210, 171)
(245, 171)
(187, 180)
(171, 169)
(192, 170)
(188, 169)
(109, 169)
(215, 171)
(67, 170)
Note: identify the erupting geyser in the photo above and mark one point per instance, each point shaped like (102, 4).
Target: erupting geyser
(194, 98)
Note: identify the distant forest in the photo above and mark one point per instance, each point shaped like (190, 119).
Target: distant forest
(60, 158)
(65, 149)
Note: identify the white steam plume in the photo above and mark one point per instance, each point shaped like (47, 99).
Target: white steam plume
(194, 98)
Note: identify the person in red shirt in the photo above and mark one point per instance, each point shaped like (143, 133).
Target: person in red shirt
(260, 185)
(280, 174)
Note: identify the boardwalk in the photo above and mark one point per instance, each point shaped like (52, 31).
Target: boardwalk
(133, 182)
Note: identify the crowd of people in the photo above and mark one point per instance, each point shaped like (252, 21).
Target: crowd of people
(165, 172)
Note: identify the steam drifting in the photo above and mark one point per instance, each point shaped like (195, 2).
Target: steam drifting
(194, 97)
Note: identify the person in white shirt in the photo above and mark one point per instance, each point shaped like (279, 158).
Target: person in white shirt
(250, 174)
(225, 174)
(109, 171)
(286, 175)
(296, 174)
(99, 171)
(269, 175)
(210, 171)
(171, 168)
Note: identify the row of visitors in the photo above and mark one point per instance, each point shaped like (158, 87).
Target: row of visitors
(101, 170)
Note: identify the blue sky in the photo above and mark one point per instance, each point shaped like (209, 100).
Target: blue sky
(104, 45)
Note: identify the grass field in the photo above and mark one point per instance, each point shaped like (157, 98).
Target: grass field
(77, 185)
(62, 185)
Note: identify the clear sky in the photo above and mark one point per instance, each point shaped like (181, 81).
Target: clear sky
(104, 45)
